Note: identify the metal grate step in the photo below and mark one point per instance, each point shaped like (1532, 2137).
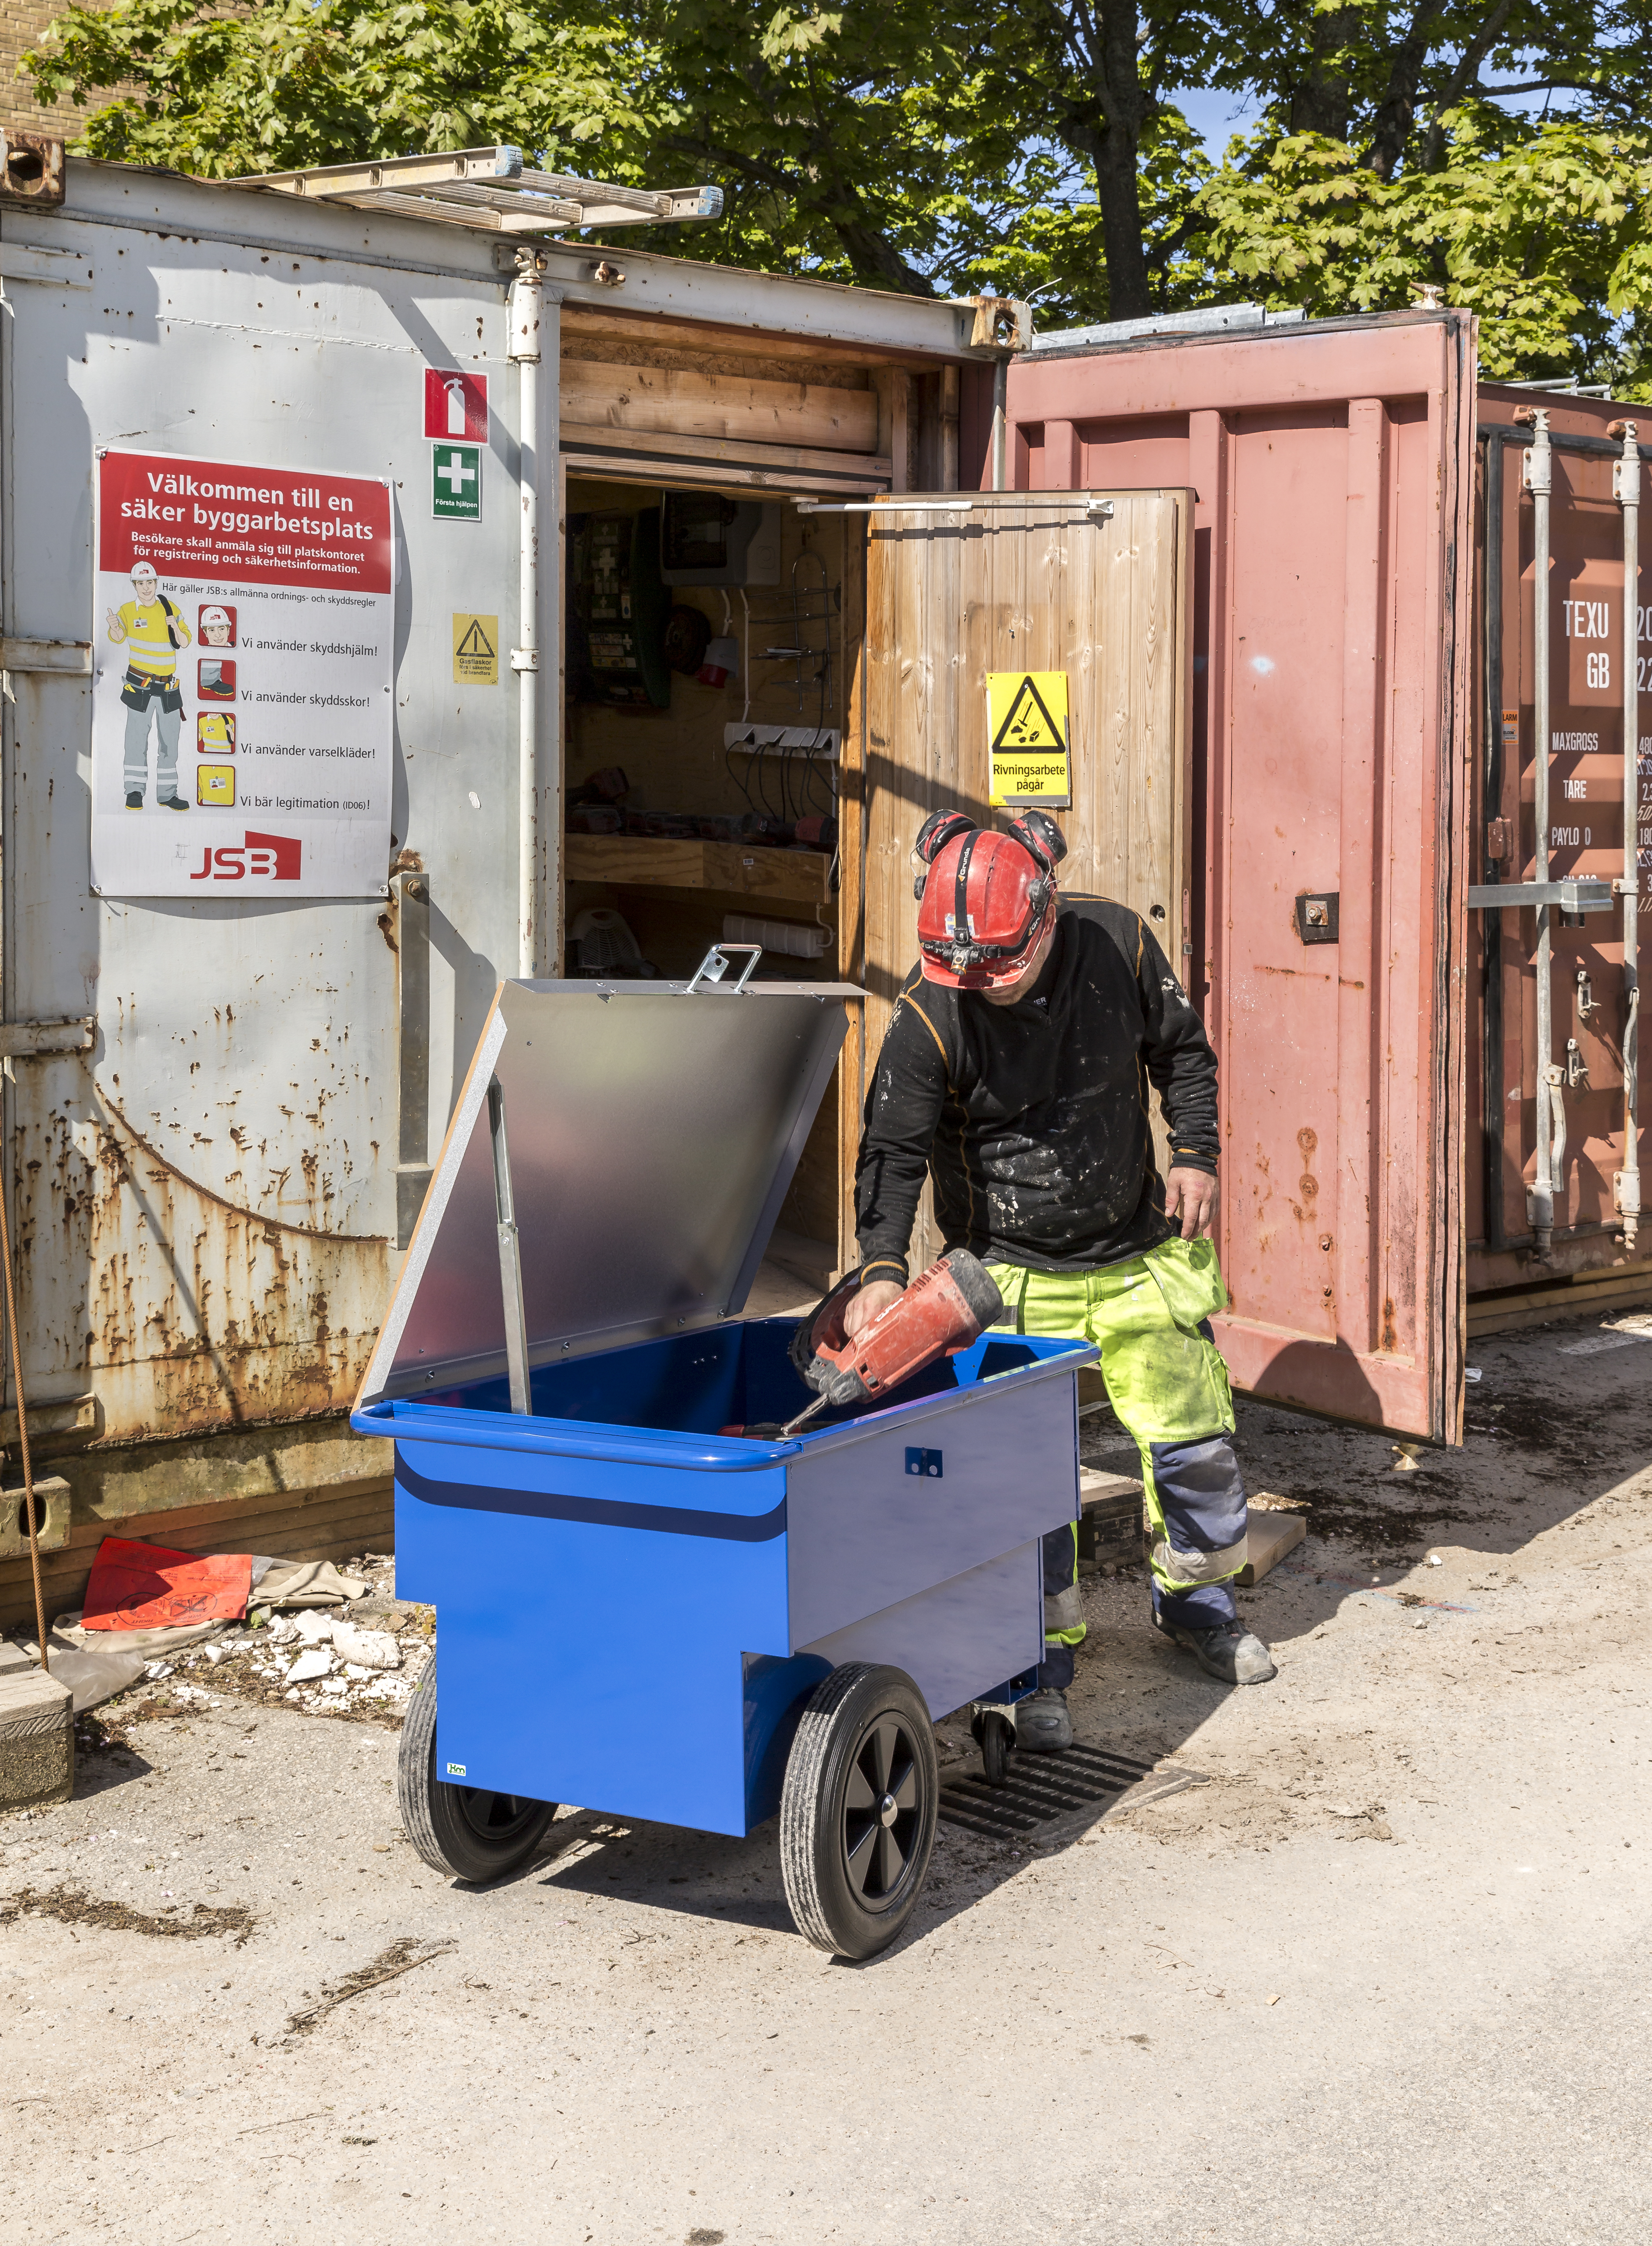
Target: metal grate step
(1043, 1787)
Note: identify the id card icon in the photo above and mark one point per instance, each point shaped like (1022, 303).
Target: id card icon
(215, 786)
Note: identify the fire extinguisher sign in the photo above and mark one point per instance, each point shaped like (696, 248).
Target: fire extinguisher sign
(242, 714)
(455, 405)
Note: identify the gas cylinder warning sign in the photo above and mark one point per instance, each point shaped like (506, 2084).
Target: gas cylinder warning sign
(241, 703)
(475, 651)
(1027, 728)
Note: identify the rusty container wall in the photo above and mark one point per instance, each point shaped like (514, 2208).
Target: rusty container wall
(207, 1197)
(1586, 837)
(1333, 465)
(205, 1201)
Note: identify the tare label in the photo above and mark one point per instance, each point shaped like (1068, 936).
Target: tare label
(241, 703)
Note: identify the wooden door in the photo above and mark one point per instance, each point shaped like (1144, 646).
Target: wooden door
(1096, 584)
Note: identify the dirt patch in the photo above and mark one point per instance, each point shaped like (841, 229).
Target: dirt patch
(402, 1957)
(73, 1907)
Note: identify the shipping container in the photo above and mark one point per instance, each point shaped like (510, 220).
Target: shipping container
(279, 815)
(698, 580)
(1598, 723)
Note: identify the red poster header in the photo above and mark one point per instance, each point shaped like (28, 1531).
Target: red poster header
(220, 519)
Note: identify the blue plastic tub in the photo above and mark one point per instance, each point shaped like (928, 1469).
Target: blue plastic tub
(632, 1608)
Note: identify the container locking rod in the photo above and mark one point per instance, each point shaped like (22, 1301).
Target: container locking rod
(1539, 476)
(510, 1255)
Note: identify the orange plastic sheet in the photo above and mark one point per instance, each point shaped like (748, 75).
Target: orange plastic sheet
(145, 1587)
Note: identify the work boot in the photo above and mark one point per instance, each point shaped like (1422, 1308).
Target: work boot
(134, 798)
(1230, 1652)
(1043, 1724)
(172, 803)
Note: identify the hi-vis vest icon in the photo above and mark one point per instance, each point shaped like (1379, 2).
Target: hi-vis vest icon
(215, 735)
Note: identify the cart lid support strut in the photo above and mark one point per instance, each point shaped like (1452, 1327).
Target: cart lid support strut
(510, 1256)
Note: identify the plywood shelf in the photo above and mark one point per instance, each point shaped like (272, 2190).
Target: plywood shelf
(794, 876)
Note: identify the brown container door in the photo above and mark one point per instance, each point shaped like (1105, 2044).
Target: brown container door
(1096, 584)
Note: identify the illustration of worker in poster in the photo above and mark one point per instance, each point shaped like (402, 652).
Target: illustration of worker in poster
(250, 636)
(151, 628)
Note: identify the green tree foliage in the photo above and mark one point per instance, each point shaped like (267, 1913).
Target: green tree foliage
(1034, 147)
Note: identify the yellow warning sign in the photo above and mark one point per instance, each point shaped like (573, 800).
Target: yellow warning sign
(476, 651)
(1027, 727)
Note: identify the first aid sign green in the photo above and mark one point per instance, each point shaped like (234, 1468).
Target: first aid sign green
(456, 483)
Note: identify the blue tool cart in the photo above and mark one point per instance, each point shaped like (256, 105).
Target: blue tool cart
(638, 1612)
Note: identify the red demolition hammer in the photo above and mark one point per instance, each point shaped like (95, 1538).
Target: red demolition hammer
(939, 1313)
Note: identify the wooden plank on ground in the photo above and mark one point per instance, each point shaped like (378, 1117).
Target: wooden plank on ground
(335, 1523)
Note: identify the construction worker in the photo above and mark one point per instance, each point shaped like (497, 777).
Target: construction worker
(1015, 1073)
(152, 630)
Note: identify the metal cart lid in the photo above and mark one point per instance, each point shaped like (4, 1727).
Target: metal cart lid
(648, 1133)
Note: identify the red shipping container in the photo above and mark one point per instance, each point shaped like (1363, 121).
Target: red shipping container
(1333, 468)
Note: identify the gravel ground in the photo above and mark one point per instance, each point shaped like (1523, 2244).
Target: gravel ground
(1395, 1991)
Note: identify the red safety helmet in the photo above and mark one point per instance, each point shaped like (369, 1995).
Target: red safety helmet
(984, 898)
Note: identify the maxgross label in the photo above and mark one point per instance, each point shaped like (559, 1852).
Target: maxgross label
(244, 663)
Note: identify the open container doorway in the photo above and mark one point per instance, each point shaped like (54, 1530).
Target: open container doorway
(711, 636)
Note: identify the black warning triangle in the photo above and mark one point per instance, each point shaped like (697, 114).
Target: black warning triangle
(1028, 724)
(475, 641)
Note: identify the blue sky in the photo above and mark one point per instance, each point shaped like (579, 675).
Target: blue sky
(1216, 118)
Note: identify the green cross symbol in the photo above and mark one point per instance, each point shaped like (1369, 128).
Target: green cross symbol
(456, 483)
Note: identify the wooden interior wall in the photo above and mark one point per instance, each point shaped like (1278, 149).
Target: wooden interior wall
(1028, 582)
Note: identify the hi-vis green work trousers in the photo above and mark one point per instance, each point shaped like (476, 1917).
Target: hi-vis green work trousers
(1166, 1380)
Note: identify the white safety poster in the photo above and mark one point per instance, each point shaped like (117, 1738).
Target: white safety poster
(243, 643)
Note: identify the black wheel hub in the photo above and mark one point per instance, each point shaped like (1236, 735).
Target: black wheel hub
(495, 1819)
(882, 1811)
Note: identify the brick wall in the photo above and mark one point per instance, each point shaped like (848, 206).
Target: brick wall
(22, 23)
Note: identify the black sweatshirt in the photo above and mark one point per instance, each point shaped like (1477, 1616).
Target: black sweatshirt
(1032, 1119)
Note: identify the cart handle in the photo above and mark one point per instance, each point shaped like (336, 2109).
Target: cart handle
(715, 966)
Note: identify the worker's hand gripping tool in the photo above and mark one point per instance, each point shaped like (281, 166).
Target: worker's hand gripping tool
(949, 1306)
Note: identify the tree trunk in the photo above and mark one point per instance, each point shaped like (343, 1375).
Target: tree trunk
(1103, 125)
(1323, 101)
(1391, 127)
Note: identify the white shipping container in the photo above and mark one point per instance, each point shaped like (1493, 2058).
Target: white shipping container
(223, 1103)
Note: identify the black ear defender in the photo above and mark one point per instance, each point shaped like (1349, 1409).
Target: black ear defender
(939, 828)
(1038, 835)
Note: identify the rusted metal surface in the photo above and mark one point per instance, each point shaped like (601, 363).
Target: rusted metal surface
(209, 1196)
(1586, 790)
(1333, 464)
(205, 1197)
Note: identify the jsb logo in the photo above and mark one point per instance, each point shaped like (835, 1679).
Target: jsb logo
(266, 857)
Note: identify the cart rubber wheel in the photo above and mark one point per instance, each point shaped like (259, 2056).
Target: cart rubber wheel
(465, 1831)
(858, 1809)
(997, 1744)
